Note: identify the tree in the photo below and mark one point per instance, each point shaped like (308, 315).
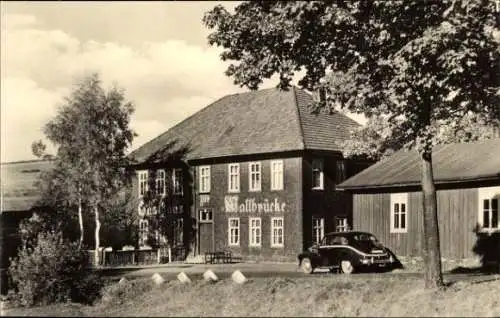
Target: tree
(119, 224)
(417, 63)
(376, 140)
(91, 134)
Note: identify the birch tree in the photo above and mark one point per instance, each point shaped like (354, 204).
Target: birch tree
(91, 134)
(415, 62)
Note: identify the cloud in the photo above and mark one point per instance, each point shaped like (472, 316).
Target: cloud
(25, 106)
(167, 81)
(10, 21)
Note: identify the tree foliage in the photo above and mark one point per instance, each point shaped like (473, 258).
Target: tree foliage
(91, 134)
(392, 58)
(416, 63)
(376, 139)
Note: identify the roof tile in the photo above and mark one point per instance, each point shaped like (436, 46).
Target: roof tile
(264, 121)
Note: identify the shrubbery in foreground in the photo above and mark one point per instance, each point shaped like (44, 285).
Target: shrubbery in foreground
(53, 270)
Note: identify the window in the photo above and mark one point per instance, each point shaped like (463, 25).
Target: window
(488, 208)
(341, 224)
(277, 232)
(206, 216)
(399, 220)
(234, 177)
(204, 179)
(143, 182)
(177, 209)
(234, 231)
(160, 182)
(254, 180)
(318, 229)
(255, 232)
(317, 174)
(177, 181)
(277, 175)
(341, 171)
(339, 240)
(143, 232)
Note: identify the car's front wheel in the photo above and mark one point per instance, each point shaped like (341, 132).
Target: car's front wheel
(306, 266)
(346, 267)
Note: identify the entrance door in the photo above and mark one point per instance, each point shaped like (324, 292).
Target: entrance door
(206, 231)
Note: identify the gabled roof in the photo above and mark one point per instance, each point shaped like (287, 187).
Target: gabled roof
(18, 184)
(255, 122)
(451, 163)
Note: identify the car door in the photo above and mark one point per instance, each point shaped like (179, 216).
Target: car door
(338, 249)
(326, 250)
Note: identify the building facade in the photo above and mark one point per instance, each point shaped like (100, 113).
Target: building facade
(387, 200)
(259, 174)
(20, 197)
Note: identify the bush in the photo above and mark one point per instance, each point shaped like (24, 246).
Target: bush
(53, 271)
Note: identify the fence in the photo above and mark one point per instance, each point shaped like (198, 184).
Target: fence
(138, 257)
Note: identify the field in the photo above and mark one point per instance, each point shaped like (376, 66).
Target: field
(321, 295)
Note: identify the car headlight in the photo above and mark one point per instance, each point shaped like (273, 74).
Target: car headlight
(391, 259)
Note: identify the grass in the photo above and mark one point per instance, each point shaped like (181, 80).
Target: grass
(323, 295)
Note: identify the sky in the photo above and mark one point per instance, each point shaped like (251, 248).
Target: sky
(157, 51)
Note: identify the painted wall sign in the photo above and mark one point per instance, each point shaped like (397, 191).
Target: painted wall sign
(250, 205)
(204, 200)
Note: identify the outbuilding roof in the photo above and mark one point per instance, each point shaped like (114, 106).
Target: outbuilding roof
(451, 163)
(18, 179)
(255, 122)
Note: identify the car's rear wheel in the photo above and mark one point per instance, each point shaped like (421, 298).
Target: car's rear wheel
(306, 266)
(346, 267)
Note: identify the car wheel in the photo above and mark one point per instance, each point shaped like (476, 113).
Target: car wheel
(346, 267)
(306, 266)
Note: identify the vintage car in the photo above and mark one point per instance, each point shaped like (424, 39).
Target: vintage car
(347, 252)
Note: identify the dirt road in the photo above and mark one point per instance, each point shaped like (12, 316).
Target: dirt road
(195, 271)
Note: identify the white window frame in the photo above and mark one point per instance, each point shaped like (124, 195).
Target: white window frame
(204, 181)
(318, 165)
(258, 172)
(143, 231)
(254, 231)
(318, 229)
(344, 227)
(275, 231)
(490, 194)
(277, 175)
(160, 179)
(209, 212)
(233, 187)
(143, 180)
(177, 181)
(233, 239)
(399, 199)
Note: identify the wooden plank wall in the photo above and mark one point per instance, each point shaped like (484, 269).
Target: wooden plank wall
(457, 211)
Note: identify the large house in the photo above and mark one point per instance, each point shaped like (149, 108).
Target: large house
(387, 199)
(253, 173)
(19, 198)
